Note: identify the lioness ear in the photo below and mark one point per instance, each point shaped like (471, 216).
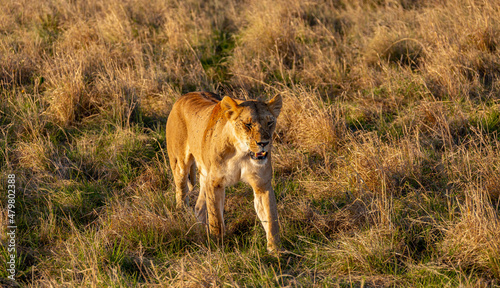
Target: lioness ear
(231, 107)
(275, 105)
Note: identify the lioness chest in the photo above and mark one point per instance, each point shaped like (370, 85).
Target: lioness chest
(234, 168)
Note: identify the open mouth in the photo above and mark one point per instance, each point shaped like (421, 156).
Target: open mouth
(258, 156)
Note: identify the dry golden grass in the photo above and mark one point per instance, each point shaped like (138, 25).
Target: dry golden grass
(386, 159)
(317, 129)
(471, 242)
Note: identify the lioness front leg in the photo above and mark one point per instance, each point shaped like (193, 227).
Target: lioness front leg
(214, 195)
(265, 206)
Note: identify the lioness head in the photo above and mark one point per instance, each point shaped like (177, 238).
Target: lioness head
(253, 123)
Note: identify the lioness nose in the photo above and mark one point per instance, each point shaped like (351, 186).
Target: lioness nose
(263, 144)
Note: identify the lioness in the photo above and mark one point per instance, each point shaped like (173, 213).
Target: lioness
(228, 140)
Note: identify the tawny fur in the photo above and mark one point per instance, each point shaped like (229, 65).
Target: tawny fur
(227, 140)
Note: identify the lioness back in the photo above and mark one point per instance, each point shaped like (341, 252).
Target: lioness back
(228, 140)
(189, 114)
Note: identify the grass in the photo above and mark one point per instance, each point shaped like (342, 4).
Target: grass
(386, 157)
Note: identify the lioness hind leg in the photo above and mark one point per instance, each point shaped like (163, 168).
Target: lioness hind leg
(181, 172)
(201, 204)
(192, 177)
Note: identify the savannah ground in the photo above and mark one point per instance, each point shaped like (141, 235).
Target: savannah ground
(386, 156)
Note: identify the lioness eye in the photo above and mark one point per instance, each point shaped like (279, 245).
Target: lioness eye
(248, 125)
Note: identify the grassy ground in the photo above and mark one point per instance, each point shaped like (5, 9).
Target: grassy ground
(386, 163)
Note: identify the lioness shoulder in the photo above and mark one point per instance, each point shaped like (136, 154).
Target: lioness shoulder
(228, 140)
